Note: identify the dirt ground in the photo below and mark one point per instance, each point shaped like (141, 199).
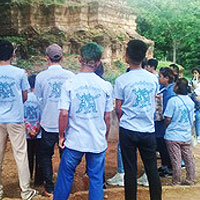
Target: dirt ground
(12, 191)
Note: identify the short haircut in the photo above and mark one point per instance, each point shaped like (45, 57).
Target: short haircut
(182, 86)
(153, 63)
(196, 69)
(31, 80)
(6, 50)
(144, 63)
(91, 53)
(136, 51)
(175, 68)
(167, 72)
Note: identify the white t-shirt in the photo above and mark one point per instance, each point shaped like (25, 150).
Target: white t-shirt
(13, 81)
(181, 114)
(87, 97)
(48, 90)
(137, 90)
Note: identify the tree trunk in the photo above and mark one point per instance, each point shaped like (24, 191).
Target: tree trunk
(174, 51)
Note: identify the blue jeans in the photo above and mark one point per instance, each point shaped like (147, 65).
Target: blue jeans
(197, 122)
(95, 169)
(120, 166)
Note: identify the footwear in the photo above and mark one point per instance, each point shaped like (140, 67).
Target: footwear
(46, 193)
(165, 173)
(188, 182)
(117, 180)
(143, 180)
(33, 193)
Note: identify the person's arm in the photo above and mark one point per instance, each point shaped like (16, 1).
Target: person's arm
(24, 95)
(167, 121)
(63, 122)
(118, 108)
(107, 121)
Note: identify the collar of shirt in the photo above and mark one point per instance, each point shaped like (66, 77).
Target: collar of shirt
(55, 67)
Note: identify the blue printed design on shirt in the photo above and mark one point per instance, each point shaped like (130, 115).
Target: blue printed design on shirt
(55, 89)
(87, 104)
(142, 97)
(184, 116)
(30, 113)
(6, 90)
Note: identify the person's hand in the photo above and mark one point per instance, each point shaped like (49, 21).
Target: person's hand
(61, 142)
(32, 133)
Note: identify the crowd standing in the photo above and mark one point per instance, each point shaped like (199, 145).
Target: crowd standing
(155, 112)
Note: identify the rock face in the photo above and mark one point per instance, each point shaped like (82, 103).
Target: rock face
(110, 23)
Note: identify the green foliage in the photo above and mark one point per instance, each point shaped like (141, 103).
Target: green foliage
(174, 26)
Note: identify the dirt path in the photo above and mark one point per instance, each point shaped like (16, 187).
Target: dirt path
(12, 191)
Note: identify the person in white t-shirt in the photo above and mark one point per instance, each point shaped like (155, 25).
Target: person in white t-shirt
(84, 123)
(179, 121)
(135, 106)
(48, 90)
(14, 87)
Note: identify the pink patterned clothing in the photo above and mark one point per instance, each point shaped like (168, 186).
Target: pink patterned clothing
(177, 151)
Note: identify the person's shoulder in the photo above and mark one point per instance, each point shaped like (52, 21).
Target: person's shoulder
(68, 72)
(18, 69)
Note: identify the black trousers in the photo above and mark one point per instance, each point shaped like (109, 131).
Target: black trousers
(130, 141)
(48, 142)
(33, 146)
(164, 154)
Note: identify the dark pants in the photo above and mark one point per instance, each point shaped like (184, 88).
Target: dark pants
(33, 146)
(146, 143)
(164, 154)
(48, 142)
(161, 144)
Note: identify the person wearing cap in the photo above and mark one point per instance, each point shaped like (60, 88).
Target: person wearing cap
(48, 90)
(14, 87)
(84, 124)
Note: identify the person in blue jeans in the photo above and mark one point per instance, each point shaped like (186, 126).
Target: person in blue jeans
(84, 123)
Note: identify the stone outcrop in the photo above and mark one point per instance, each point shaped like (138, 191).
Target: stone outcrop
(110, 23)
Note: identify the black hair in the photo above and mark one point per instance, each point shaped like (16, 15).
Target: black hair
(136, 51)
(31, 80)
(99, 70)
(196, 69)
(153, 63)
(55, 59)
(6, 50)
(144, 63)
(167, 72)
(175, 68)
(182, 86)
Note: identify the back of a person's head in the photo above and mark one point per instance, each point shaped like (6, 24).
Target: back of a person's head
(167, 72)
(175, 68)
(91, 53)
(182, 86)
(54, 52)
(31, 80)
(6, 50)
(136, 51)
(152, 63)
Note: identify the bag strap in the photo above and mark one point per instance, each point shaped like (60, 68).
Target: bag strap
(187, 110)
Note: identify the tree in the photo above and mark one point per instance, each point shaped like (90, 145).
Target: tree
(174, 25)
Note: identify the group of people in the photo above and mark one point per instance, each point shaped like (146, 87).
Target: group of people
(58, 107)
